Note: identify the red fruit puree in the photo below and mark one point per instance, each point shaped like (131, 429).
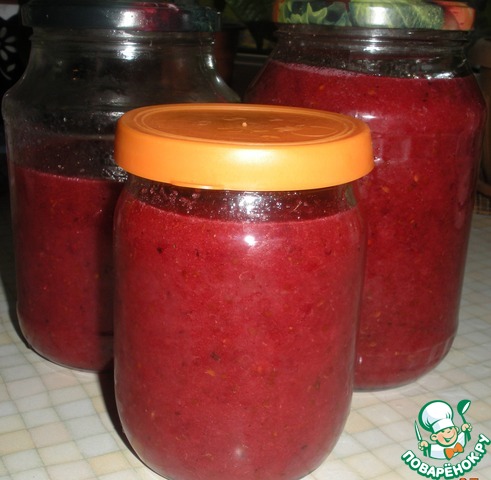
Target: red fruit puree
(418, 203)
(234, 340)
(63, 240)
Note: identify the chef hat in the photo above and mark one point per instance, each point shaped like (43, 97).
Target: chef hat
(436, 416)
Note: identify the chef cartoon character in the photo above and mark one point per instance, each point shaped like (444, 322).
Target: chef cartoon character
(437, 417)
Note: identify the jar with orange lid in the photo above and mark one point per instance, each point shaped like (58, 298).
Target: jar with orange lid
(239, 254)
(400, 66)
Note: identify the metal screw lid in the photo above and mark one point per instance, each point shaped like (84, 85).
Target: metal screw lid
(171, 16)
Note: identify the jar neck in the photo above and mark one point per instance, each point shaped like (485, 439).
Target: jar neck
(388, 52)
(113, 70)
(125, 44)
(244, 206)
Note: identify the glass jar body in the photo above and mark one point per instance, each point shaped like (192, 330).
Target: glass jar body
(235, 323)
(426, 114)
(60, 120)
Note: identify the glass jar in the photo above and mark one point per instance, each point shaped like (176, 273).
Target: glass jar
(90, 62)
(239, 253)
(414, 89)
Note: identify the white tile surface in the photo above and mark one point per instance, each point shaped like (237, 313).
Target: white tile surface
(55, 423)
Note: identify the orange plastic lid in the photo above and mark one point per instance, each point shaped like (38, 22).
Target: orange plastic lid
(243, 147)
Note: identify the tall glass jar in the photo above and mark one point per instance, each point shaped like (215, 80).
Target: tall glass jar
(239, 251)
(414, 89)
(90, 62)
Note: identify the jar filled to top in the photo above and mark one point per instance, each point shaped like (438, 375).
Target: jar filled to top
(401, 67)
(239, 250)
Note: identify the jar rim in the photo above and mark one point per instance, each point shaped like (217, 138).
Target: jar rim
(175, 15)
(410, 34)
(243, 146)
